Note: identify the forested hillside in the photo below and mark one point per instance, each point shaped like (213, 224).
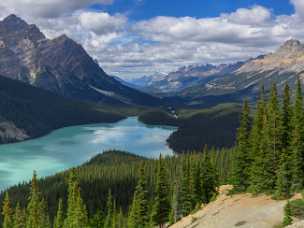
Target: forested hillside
(117, 188)
(215, 127)
(28, 112)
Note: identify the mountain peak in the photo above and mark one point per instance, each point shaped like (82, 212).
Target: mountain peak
(14, 20)
(291, 45)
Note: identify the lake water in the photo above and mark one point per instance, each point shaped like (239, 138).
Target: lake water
(71, 146)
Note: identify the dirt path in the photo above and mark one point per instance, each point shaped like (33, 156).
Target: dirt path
(240, 210)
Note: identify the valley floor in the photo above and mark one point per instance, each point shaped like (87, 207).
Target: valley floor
(241, 210)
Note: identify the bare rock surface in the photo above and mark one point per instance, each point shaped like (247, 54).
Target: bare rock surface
(241, 210)
(59, 65)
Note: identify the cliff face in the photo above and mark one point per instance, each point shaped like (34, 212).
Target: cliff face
(60, 65)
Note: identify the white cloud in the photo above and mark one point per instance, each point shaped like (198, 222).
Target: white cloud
(101, 22)
(254, 16)
(47, 8)
(162, 43)
(299, 7)
(242, 26)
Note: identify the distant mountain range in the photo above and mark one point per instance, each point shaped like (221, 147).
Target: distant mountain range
(63, 67)
(183, 78)
(60, 65)
(232, 81)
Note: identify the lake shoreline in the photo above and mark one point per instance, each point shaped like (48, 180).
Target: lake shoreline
(72, 146)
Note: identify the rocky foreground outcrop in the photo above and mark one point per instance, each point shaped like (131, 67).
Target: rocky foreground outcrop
(241, 210)
(299, 224)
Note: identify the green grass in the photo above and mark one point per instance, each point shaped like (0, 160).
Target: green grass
(297, 208)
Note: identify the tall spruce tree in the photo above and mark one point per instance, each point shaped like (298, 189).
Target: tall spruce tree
(297, 143)
(7, 212)
(109, 210)
(261, 169)
(195, 183)
(257, 127)
(241, 162)
(120, 219)
(286, 120)
(185, 198)
(209, 178)
(76, 210)
(19, 218)
(266, 161)
(274, 128)
(37, 216)
(138, 216)
(161, 207)
(284, 173)
(59, 218)
(114, 216)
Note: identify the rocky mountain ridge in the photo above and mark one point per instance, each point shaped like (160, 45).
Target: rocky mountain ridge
(60, 65)
(184, 78)
(234, 80)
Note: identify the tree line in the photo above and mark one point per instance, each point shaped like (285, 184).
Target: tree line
(269, 151)
(165, 190)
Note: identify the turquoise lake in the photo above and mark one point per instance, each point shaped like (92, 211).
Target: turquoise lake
(71, 146)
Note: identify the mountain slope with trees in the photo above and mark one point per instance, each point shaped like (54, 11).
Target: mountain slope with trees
(27, 112)
(137, 192)
(214, 127)
(116, 189)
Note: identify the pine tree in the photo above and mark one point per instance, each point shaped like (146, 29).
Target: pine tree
(185, 199)
(7, 212)
(59, 218)
(284, 178)
(261, 170)
(120, 219)
(109, 212)
(297, 143)
(138, 216)
(19, 218)
(274, 129)
(257, 127)
(287, 215)
(171, 218)
(195, 183)
(284, 174)
(37, 216)
(174, 212)
(209, 178)
(76, 210)
(96, 220)
(114, 216)
(241, 160)
(286, 119)
(266, 160)
(161, 207)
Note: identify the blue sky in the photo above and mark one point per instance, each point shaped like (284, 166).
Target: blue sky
(146, 9)
(133, 38)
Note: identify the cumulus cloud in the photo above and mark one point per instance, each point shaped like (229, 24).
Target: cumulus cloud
(47, 8)
(162, 43)
(101, 22)
(254, 16)
(299, 7)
